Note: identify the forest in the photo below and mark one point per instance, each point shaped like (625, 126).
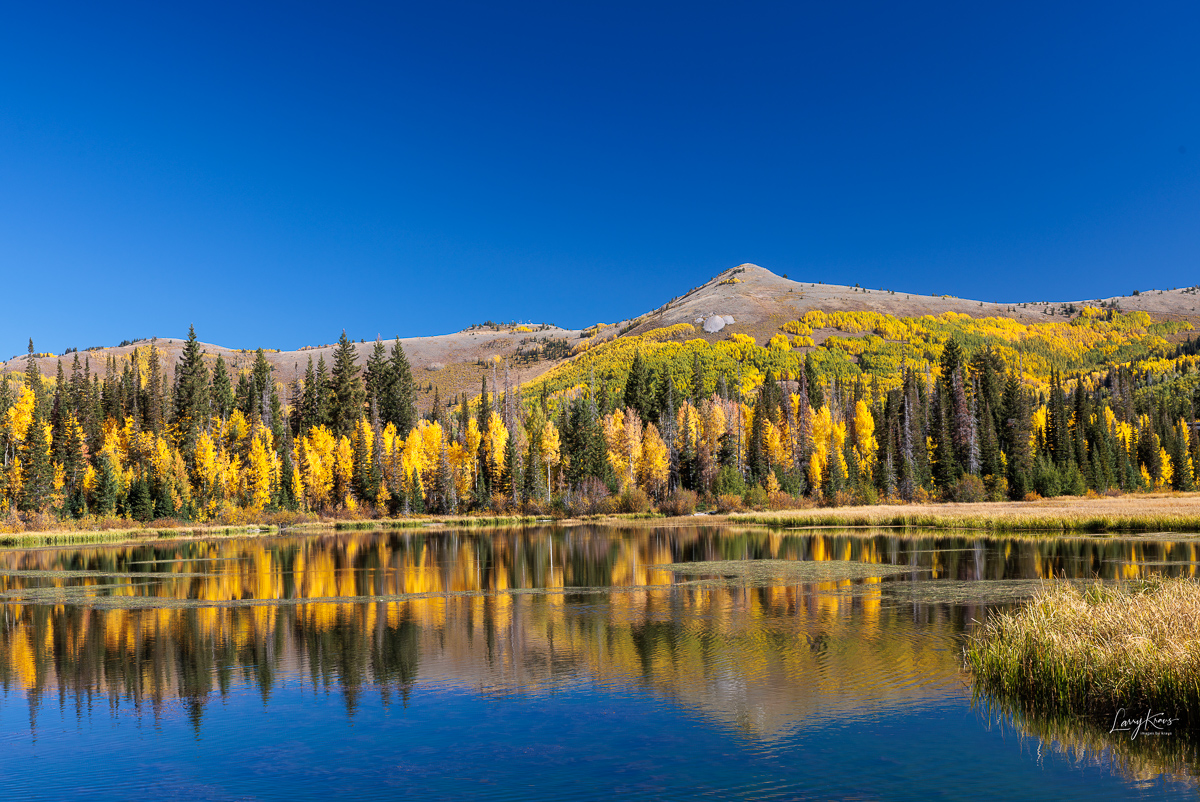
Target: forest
(837, 408)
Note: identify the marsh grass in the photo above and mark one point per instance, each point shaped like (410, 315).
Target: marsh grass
(786, 570)
(83, 537)
(1095, 649)
(1129, 514)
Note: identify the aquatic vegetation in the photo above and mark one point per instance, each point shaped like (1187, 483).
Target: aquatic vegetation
(1128, 514)
(1098, 650)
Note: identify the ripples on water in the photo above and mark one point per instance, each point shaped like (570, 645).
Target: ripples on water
(526, 662)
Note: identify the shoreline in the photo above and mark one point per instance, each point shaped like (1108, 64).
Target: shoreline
(1133, 515)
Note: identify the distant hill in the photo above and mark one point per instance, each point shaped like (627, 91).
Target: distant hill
(747, 299)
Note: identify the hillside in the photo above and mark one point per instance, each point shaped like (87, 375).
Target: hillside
(757, 301)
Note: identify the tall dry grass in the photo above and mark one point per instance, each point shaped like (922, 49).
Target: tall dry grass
(1097, 649)
(1136, 513)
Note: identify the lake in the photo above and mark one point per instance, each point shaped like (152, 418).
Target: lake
(546, 662)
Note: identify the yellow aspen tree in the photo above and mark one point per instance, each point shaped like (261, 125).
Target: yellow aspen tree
(686, 426)
(317, 466)
(231, 475)
(865, 445)
(461, 468)
(712, 424)
(20, 415)
(631, 443)
(431, 449)
(655, 463)
(236, 432)
(297, 484)
(410, 462)
(259, 472)
(343, 469)
(822, 426)
(614, 441)
(205, 458)
(775, 444)
(497, 442)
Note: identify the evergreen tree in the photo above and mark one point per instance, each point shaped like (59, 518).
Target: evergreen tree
(39, 470)
(141, 505)
(638, 396)
(33, 375)
(1181, 474)
(152, 404)
(307, 417)
(401, 405)
(378, 378)
(816, 395)
(347, 389)
(108, 487)
(323, 403)
(191, 396)
(222, 390)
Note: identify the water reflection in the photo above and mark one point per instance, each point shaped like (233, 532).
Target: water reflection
(147, 625)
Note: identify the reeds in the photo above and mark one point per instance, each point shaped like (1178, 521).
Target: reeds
(1130, 514)
(1097, 650)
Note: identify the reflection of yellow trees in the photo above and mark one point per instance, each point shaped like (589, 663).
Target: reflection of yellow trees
(792, 647)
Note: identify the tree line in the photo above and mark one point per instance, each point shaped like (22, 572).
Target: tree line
(208, 441)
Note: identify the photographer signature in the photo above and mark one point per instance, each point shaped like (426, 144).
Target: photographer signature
(1149, 724)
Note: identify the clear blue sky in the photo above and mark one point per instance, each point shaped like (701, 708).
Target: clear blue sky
(276, 174)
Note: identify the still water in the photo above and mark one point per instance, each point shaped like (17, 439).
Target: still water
(537, 663)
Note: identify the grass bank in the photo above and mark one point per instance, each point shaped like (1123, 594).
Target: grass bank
(83, 536)
(1096, 650)
(1122, 514)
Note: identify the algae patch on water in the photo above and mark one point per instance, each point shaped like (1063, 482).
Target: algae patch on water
(789, 571)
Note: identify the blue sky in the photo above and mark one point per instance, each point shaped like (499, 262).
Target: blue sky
(274, 174)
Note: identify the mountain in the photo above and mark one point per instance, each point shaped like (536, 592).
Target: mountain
(756, 301)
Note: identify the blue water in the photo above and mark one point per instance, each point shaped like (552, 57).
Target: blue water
(654, 693)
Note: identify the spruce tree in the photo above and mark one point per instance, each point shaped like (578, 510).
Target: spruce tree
(816, 395)
(191, 396)
(401, 406)
(378, 378)
(346, 384)
(307, 406)
(33, 375)
(141, 505)
(323, 403)
(39, 470)
(637, 389)
(222, 390)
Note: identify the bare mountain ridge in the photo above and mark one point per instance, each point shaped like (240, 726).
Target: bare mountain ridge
(757, 300)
